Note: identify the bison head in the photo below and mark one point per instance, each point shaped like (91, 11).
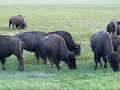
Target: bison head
(114, 60)
(71, 60)
(23, 25)
(77, 49)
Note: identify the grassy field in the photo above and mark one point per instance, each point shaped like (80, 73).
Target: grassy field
(81, 18)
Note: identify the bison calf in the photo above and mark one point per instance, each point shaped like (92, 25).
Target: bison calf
(11, 45)
(18, 21)
(55, 48)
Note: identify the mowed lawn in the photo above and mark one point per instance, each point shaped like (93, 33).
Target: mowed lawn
(80, 18)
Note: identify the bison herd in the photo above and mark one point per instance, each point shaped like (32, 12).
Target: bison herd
(59, 46)
(106, 45)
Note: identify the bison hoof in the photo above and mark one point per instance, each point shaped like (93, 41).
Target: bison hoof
(45, 63)
(4, 68)
(20, 69)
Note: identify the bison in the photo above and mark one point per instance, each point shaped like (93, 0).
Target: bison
(54, 47)
(101, 45)
(112, 27)
(18, 21)
(32, 41)
(71, 45)
(11, 45)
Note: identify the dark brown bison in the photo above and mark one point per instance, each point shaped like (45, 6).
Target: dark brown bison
(54, 47)
(11, 45)
(112, 27)
(71, 45)
(101, 45)
(17, 21)
(32, 41)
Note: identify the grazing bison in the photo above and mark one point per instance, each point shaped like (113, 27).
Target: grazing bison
(112, 27)
(32, 41)
(11, 45)
(18, 21)
(71, 45)
(54, 47)
(101, 45)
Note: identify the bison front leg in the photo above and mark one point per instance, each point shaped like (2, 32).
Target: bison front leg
(13, 26)
(9, 25)
(56, 62)
(3, 63)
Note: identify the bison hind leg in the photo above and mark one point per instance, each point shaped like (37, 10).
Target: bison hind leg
(3, 61)
(96, 59)
(37, 54)
(21, 62)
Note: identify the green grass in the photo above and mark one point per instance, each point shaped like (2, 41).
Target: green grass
(81, 18)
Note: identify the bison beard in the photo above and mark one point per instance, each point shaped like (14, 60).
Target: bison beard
(11, 45)
(54, 47)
